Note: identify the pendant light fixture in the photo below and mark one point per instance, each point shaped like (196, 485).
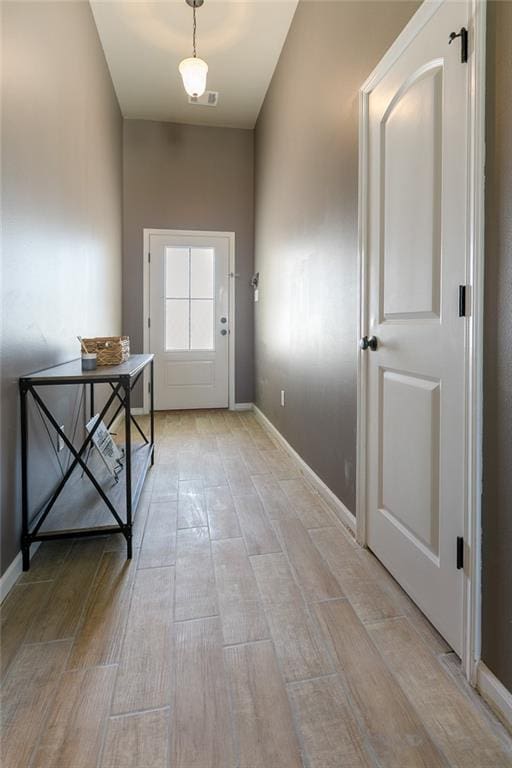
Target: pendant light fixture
(193, 70)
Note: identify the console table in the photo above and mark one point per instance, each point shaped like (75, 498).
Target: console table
(121, 379)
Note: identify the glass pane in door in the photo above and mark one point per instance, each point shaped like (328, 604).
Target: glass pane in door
(202, 273)
(177, 273)
(177, 324)
(201, 324)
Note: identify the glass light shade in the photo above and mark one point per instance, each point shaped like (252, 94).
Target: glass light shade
(194, 71)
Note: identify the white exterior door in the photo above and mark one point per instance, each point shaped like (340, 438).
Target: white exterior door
(417, 250)
(189, 320)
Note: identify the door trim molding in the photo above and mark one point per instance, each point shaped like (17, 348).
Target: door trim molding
(474, 329)
(232, 305)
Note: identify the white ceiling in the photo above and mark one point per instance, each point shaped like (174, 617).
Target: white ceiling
(145, 41)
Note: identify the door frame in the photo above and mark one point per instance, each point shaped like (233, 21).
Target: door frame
(474, 328)
(230, 236)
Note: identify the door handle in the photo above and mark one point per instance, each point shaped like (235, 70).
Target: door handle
(369, 343)
(223, 332)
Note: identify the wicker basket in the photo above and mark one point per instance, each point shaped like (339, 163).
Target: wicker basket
(110, 350)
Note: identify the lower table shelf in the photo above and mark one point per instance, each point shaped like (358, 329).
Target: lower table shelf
(79, 507)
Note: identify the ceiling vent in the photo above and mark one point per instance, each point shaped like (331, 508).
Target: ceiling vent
(208, 99)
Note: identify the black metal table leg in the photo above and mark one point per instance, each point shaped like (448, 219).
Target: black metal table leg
(152, 411)
(25, 541)
(128, 464)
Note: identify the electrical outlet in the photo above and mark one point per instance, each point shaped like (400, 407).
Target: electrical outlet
(60, 442)
(282, 398)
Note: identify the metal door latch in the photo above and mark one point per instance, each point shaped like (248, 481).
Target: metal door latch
(369, 343)
(463, 34)
(460, 553)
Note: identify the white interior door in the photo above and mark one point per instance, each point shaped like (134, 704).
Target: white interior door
(189, 320)
(417, 242)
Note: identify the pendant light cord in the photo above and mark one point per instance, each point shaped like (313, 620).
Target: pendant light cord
(194, 30)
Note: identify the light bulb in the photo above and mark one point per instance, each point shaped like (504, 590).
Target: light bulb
(193, 72)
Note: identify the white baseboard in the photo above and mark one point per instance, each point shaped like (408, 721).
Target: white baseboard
(332, 501)
(137, 412)
(14, 571)
(495, 694)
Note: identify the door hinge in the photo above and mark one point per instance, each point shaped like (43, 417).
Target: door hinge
(460, 553)
(462, 300)
(463, 34)
(149, 257)
(149, 322)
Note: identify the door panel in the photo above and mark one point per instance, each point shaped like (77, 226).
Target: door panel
(411, 159)
(179, 374)
(417, 230)
(410, 455)
(189, 311)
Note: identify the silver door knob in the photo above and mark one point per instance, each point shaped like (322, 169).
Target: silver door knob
(369, 343)
(223, 332)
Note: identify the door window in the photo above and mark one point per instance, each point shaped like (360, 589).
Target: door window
(189, 298)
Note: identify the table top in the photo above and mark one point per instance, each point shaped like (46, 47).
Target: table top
(72, 373)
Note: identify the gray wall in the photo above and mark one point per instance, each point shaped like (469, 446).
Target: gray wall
(497, 500)
(61, 219)
(306, 229)
(189, 177)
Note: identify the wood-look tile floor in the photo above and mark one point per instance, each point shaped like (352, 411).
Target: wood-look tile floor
(248, 631)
